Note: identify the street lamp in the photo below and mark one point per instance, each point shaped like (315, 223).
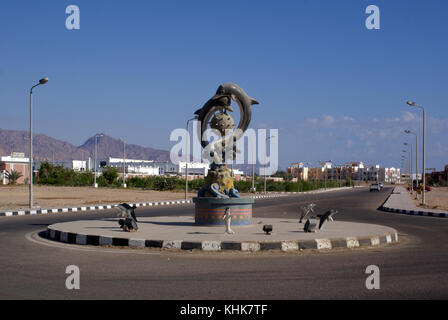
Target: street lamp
(265, 151)
(410, 166)
(412, 104)
(187, 157)
(325, 168)
(124, 163)
(416, 159)
(253, 189)
(96, 137)
(41, 81)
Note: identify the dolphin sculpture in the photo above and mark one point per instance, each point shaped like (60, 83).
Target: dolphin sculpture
(222, 100)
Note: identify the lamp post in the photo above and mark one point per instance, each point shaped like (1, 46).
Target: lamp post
(412, 104)
(409, 163)
(96, 137)
(124, 162)
(187, 156)
(416, 159)
(41, 81)
(325, 169)
(253, 174)
(265, 151)
(410, 166)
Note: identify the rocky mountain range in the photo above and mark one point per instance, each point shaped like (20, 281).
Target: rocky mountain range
(48, 148)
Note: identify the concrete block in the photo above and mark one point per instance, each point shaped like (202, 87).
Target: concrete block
(211, 245)
(172, 244)
(81, 239)
(352, 243)
(323, 244)
(250, 246)
(290, 245)
(104, 241)
(139, 243)
(375, 241)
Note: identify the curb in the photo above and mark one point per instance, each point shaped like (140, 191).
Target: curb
(414, 212)
(219, 246)
(143, 204)
(411, 212)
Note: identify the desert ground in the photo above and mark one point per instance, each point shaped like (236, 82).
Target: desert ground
(437, 198)
(45, 197)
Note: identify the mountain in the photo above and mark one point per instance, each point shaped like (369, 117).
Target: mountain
(45, 148)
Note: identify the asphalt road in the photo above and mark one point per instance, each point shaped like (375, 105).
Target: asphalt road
(416, 268)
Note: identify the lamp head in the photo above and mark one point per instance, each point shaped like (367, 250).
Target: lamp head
(411, 103)
(43, 81)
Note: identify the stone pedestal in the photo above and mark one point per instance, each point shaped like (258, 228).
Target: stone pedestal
(210, 211)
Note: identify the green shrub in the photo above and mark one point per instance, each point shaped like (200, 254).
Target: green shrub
(110, 174)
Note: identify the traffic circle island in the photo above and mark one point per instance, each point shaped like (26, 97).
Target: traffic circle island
(181, 233)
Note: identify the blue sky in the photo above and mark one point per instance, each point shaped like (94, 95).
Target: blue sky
(139, 69)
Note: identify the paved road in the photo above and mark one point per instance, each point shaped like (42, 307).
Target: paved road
(415, 268)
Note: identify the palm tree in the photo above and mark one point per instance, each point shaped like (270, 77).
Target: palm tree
(13, 176)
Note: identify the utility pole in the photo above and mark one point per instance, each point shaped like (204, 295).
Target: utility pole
(41, 81)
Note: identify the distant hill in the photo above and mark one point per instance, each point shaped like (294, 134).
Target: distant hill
(44, 147)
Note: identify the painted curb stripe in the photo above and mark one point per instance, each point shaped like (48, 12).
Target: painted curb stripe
(215, 245)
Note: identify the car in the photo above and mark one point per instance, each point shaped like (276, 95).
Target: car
(381, 185)
(375, 187)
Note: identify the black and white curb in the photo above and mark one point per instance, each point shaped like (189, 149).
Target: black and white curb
(415, 212)
(210, 245)
(89, 208)
(143, 204)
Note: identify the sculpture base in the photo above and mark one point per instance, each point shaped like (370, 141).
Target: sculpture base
(210, 211)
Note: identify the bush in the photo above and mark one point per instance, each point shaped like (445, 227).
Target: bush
(110, 174)
(60, 176)
(13, 176)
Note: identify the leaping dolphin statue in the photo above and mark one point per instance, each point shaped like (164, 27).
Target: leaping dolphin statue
(222, 100)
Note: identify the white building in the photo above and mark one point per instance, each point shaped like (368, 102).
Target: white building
(196, 168)
(392, 175)
(134, 166)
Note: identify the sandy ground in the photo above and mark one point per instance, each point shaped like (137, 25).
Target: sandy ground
(437, 198)
(16, 197)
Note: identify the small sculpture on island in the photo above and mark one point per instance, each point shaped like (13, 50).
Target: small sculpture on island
(228, 219)
(219, 192)
(306, 211)
(312, 223)
(129, 223)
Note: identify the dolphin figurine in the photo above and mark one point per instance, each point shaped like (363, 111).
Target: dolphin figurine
(222, 100)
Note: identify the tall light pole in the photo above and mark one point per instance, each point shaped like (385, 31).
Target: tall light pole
(96, 137)
(325, 168)
(265, 151)
(41, 81)
(187, 157)
(124, 162)
(410, 165)
(412, 104)
(253, 173)
(416, 159)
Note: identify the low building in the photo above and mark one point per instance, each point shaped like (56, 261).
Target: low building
(438, 177)
(17, 162)
(297, 171)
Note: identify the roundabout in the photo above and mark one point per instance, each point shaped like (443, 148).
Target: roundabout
(181, 233)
